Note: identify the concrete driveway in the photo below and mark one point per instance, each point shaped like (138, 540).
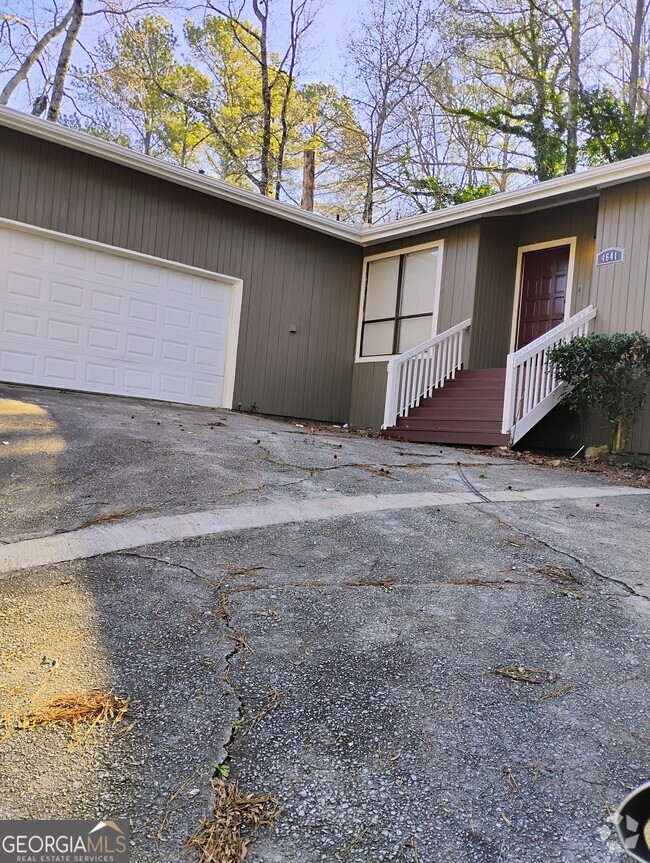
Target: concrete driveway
(425, 654)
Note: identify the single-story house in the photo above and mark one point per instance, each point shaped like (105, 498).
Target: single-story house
(123, 274)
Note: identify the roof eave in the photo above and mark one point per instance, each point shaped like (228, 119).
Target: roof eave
(85, 143)
(572, 186)
(541, 195)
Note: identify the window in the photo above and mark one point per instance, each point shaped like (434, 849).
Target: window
(400, 297)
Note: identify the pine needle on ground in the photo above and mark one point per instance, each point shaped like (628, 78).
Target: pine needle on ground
(225, 837)
(526, 675)
(77, 710)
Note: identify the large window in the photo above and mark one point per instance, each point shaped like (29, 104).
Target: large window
(400, 296)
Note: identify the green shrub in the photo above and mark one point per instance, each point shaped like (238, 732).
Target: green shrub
(606, 372)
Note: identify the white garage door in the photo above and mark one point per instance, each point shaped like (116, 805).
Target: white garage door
(81, 317)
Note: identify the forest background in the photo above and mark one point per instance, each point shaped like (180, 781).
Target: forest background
(364, 112)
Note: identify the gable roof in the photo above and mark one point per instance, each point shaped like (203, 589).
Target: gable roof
(567, 189)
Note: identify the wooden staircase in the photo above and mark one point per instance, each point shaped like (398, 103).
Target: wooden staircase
(468, 409)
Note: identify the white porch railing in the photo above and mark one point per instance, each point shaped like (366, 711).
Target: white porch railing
(531, 391)
(416, 373)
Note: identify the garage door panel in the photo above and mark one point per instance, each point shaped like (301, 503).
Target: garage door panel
(64, 337)
(62, 369)
(21, 284)
(101, 375)
(20, 324)
(64, 332)
(14, 363)
(103, 339)
(144, 310)
(69, 257)
(110, 267)
(21, 245)
(175, 351)
(66, 294)
(89, 319)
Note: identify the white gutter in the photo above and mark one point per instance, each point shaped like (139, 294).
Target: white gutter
(572, 184)
(595, 178)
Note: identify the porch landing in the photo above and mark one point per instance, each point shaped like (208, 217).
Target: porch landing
(467, 410)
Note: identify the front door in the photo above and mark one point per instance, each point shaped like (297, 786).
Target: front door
(544, 282)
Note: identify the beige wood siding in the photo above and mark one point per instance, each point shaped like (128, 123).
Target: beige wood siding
(368, 394)
(291, 275)
(495, 294)
(622, 291)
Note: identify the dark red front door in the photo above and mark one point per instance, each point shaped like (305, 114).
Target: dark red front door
(543, 292)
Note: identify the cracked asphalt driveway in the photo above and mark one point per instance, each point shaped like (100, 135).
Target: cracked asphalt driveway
(364, 666)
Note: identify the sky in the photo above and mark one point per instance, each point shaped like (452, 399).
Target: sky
(322, 61)
(332, 25)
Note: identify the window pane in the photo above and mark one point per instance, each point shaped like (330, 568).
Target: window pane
(377, 339)
(381, 290)
(413, 331)
(418, 289)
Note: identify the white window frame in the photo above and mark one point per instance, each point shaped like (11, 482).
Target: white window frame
(535, 247)
(436, 244)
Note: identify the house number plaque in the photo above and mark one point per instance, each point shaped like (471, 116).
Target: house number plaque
(609, 256)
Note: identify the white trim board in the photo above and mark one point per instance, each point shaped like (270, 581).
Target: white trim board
(435, 244)
(236, 284)
(534, 247)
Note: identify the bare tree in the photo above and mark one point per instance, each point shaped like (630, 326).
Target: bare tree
(627, 22)
(387, 60)
(28, 47)
(573, 90)
(20, 75)
(65, 57)
(277, 73)
(640, 12)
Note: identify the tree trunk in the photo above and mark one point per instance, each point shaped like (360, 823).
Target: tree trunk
(621, 435)
(267, 107)
(574, 90)
(19, 76)
(375, 149)
(308, 180)
(502, 180)
(635, 56)
(369, 197)
(63, 66)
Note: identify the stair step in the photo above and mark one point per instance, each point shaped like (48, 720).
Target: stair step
(442, 423)
(448, 437)
(457, 410)
(495, 398)
(450, 391)
(481, 374)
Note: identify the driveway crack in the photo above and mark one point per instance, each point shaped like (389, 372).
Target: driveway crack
(158, 560)
(531, 536)
(222, 768)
